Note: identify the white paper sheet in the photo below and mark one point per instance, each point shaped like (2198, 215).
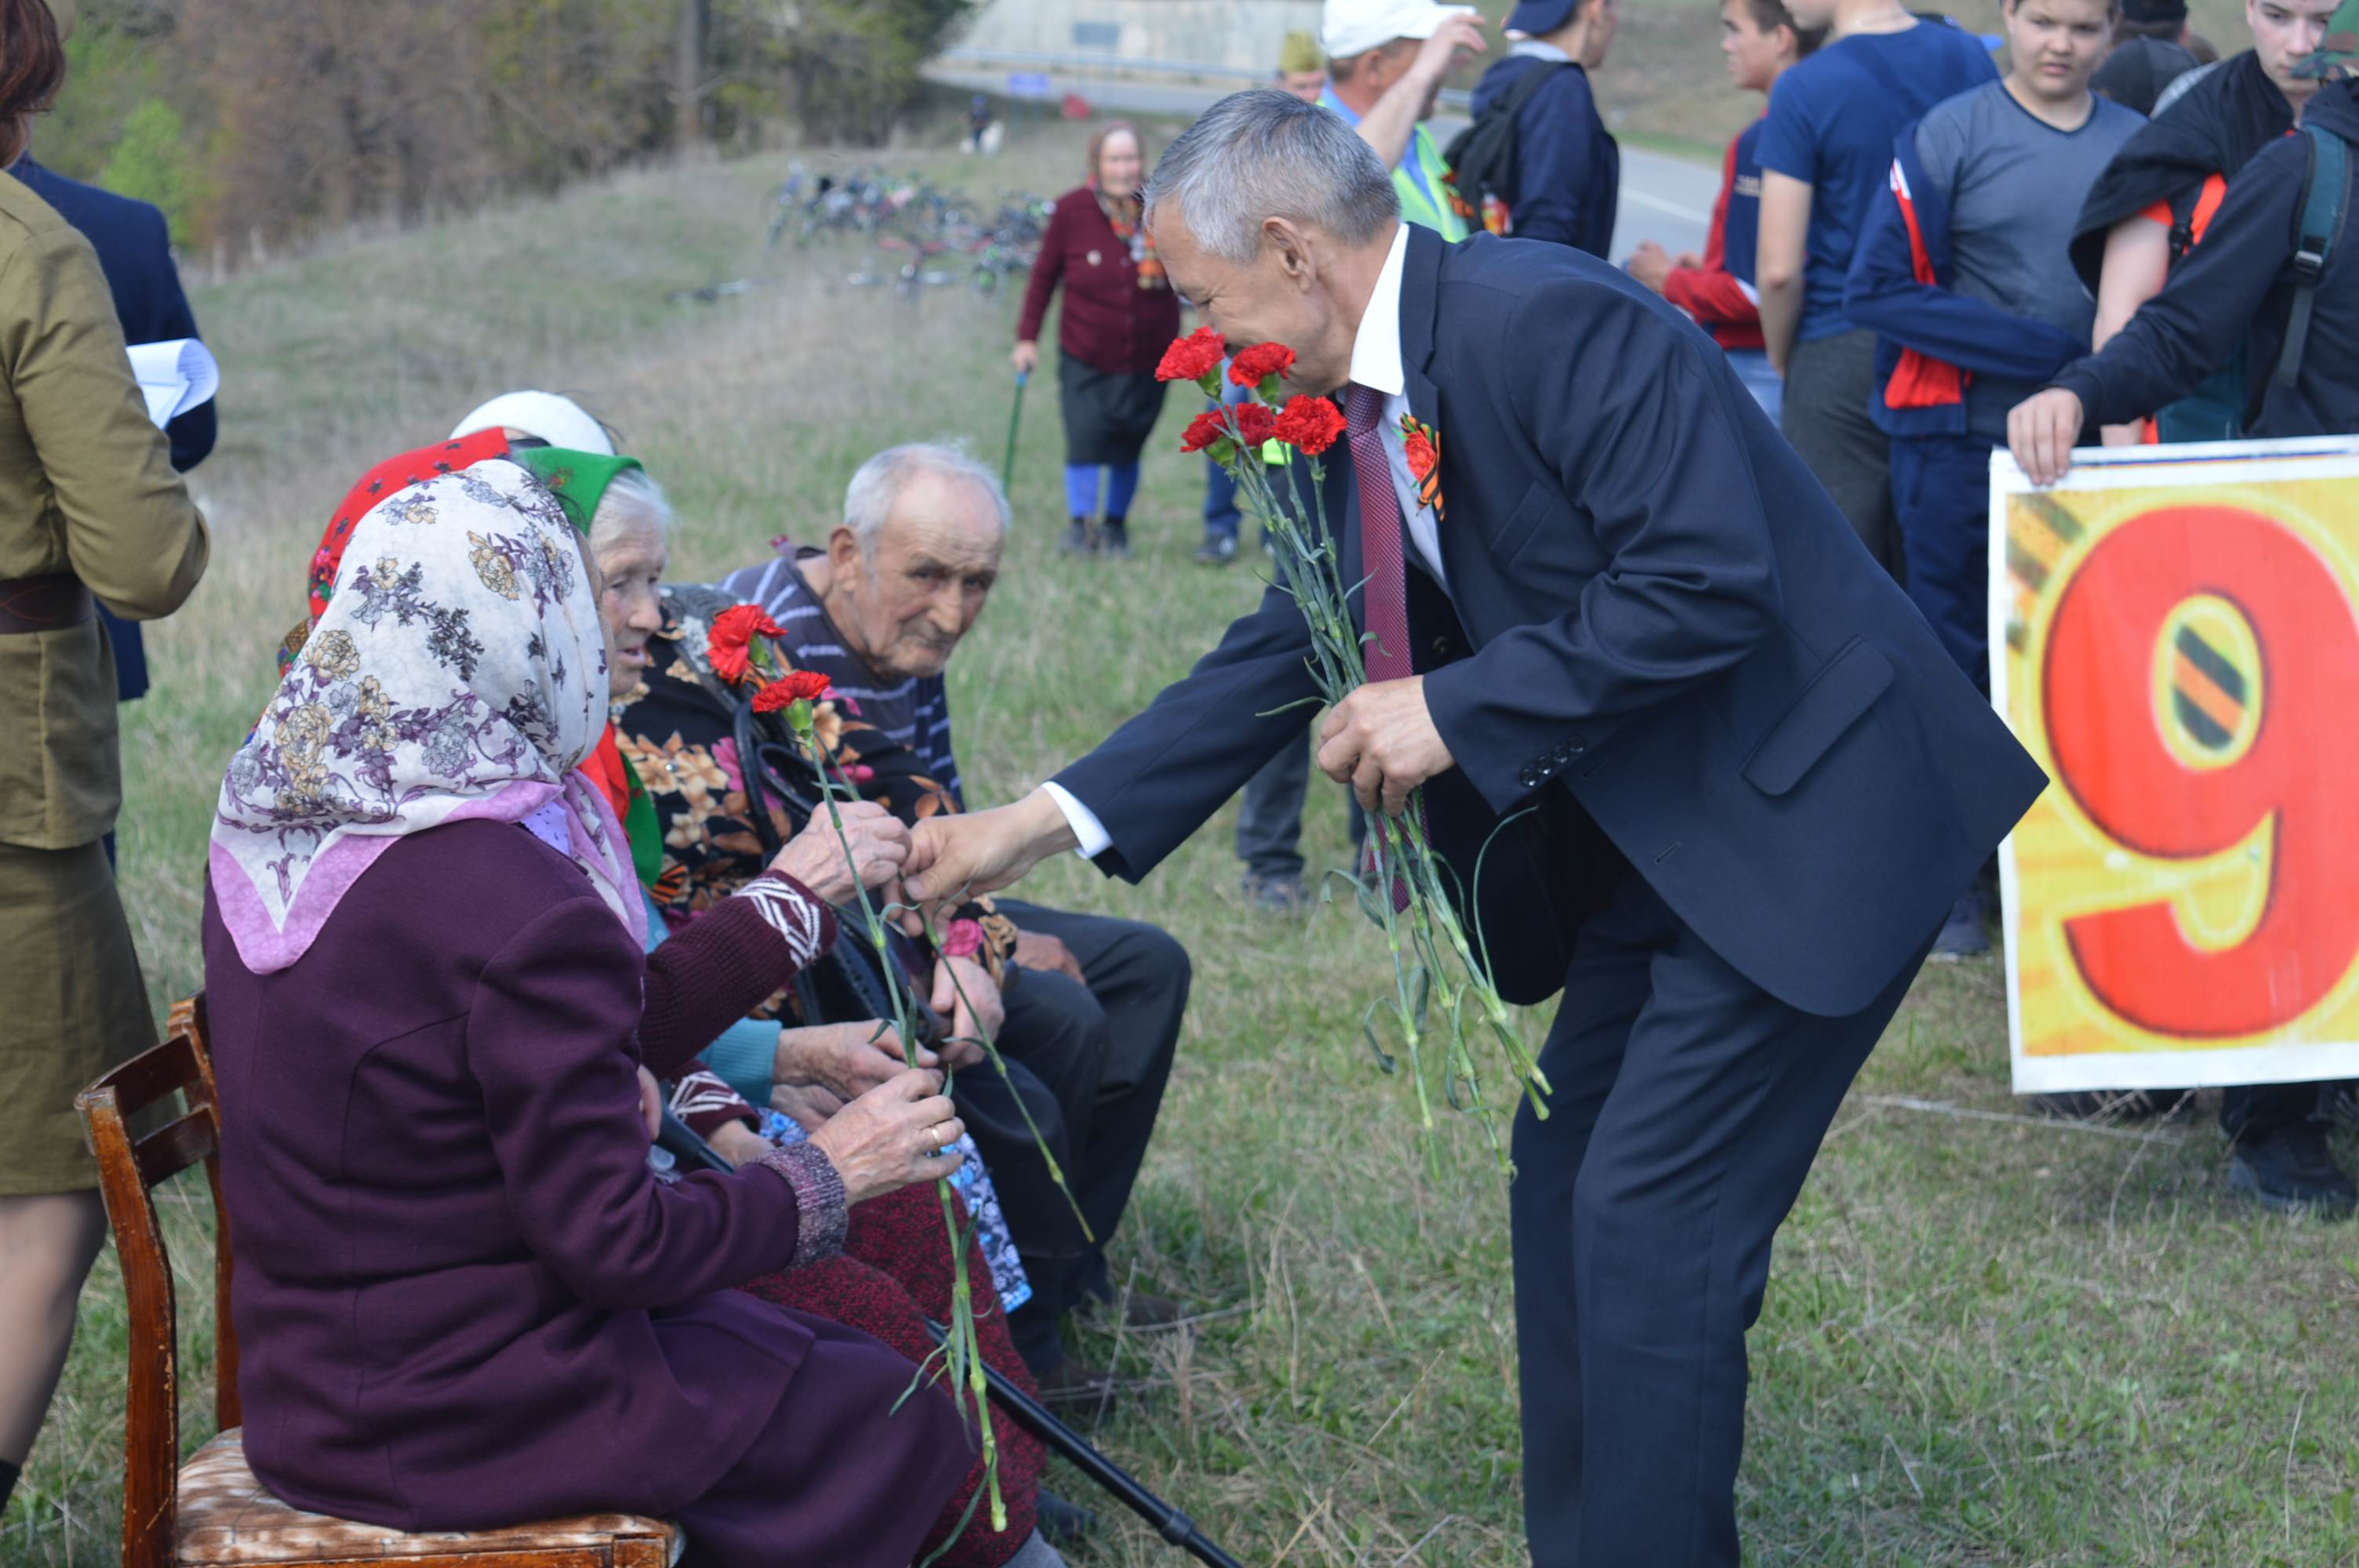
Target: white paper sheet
(174, 376)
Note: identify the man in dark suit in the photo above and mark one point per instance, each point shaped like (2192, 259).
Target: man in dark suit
(1759, 780)
(135, 251)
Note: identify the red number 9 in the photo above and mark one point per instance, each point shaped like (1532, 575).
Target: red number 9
(2298, 772)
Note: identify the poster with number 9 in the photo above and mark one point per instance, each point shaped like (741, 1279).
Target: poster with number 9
(2175, 636)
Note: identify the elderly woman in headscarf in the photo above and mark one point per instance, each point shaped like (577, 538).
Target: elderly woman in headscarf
(895, 1269)
(428, 1010)
(1120, 315)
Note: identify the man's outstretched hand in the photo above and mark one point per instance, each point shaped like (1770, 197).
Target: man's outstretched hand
(952, 859)
(1381, 740)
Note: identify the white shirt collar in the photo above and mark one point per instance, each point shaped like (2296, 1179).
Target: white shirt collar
(1376, 351)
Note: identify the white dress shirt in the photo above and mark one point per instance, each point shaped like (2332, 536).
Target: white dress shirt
(1375, 364)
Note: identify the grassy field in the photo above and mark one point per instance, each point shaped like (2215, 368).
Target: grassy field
(1988, 1340)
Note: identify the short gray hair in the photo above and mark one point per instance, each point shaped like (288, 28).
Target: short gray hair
(1264, 154)
(633, 502)
(868, 500)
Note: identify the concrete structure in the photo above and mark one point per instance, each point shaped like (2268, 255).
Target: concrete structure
(1234, 39)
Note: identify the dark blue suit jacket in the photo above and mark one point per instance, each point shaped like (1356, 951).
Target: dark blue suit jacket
(135, 251)
(1666, 633)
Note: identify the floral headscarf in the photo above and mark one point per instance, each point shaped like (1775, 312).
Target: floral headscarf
(457, 670)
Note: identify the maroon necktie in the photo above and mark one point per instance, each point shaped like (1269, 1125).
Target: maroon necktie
(1385, 599)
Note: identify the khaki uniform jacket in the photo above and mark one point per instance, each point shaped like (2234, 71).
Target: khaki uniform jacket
(86, 487)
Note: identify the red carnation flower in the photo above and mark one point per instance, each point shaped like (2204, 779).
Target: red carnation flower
(962, 939)
(1197, 354)
(1417, 447)
(1255, 423)
(1309, 424)
(733, 629)
(1258, 363)
(795, 685)
(1203, 430)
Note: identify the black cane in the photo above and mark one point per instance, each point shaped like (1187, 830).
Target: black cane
(1174, 1526)
(1074, 1449)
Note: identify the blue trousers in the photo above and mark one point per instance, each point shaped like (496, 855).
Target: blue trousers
(1221, 515)
(1941, 497)
(1083, 494)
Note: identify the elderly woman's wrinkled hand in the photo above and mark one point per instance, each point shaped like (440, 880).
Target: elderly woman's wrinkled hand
(898, 1133)
(815, 857)
(845, 1059)
(650, 1103)
(738, 1144)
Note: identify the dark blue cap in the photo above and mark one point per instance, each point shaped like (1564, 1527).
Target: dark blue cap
(1535, 17)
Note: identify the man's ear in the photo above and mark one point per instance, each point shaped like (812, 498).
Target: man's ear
(1297, 262)
(842, 549)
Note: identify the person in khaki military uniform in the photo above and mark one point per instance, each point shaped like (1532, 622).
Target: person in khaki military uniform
(90, 511)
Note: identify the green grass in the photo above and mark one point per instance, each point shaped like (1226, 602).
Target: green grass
(1986, 1343)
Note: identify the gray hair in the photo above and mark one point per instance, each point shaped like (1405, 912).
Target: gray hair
(1264, 154)
(868, 500)
(634, 503)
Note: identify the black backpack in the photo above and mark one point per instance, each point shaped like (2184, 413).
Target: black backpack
(1482, 158)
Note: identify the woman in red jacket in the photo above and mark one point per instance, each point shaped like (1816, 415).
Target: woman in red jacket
(1120, 314)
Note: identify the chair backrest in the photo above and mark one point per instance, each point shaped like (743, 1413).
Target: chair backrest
(129, 1168)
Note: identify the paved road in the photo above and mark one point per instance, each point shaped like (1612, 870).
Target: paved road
(1663, 198)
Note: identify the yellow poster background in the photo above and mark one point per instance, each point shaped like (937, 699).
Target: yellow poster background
(2060, 865)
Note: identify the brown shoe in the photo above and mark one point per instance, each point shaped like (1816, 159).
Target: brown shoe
(1072, 1389)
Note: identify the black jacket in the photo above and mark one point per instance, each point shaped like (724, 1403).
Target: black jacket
(1667, 633)
(2234, 290)
(2215, 127)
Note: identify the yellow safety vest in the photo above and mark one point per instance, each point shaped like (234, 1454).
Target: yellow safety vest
(1434, 212)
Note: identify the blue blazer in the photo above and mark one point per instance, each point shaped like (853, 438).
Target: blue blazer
(135, 251)
(1668, 640)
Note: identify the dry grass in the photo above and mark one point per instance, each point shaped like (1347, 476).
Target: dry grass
(1987, 1342)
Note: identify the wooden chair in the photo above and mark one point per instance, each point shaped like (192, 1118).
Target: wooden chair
(212, 1513)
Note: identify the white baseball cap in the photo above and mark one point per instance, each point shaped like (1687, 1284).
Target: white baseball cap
(559, 421)
(1349, 27)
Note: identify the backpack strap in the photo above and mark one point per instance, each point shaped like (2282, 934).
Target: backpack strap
(1530, 82)
(2325, 181)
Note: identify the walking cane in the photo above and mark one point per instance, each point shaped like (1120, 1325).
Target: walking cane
(1070, 1446)
(1015, 417)
(681, 1141)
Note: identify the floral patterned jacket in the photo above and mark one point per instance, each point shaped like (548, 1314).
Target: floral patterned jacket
(678, 728)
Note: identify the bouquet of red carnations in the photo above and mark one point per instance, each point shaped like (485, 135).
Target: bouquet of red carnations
(1443, 1004)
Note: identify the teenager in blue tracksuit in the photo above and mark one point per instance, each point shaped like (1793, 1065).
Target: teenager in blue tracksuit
(1962, 274)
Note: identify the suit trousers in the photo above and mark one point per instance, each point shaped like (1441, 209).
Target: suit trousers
(1688, 1105)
